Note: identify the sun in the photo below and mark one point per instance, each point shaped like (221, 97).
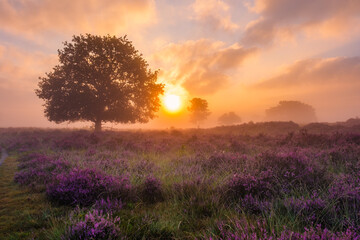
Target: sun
(172, 102)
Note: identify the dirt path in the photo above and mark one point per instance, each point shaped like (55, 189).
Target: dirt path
(24, 213)
(3, 155)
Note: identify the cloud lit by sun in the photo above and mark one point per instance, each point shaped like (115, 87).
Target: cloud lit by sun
(240, 56)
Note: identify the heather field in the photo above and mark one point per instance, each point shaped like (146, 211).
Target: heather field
(252, 181)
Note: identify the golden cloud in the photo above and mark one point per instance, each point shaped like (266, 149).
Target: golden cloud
(68, 16)
(201, 66)
(214, 13)
(331, 85)
(288, 17)
(317, 72)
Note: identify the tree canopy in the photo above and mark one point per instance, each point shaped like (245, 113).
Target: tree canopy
(229, 118)
(199, 110)
(100, 79)
(291, 111)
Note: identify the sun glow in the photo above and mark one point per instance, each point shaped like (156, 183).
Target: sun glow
(172, 102)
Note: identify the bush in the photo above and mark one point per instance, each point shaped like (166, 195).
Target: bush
(85, 186)
(37, 169)
(77, 140)
(32, 160)
(293, 169)
(252, 205)
(108, 205)
(241, 229)
(309, 211)
(319, 233)
(260, 186)
(344, 194)
(223, 161)
(151, 190)
(96, 225)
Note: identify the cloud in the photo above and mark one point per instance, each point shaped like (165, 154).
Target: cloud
(214, 13)
(331, 85)
(19, 72)
(286, 18)
(201, 66)
(67, 16)
(20, 69)
(317, 72)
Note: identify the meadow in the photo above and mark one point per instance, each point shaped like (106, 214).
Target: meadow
(252, 181)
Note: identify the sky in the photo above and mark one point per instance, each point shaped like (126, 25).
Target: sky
(242, 56)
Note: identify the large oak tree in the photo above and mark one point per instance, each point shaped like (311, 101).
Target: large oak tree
(100, 79)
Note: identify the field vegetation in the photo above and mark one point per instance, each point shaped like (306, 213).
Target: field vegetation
(251, 181)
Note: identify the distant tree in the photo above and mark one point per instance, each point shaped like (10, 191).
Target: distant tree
(353, 122)
(199, 110)
(229, 118)
(100, 79)
(291, 111)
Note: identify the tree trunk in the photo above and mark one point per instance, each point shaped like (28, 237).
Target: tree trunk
(98, 126)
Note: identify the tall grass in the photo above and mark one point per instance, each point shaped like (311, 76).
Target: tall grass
(188, 185)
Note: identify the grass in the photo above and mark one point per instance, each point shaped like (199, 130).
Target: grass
(195, 178)
(25, 214)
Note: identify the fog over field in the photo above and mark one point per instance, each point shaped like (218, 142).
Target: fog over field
(241, 56)
(180, 119)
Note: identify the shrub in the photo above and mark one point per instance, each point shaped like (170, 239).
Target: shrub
(243, 230)
(143, 167)
(77, 140)
(90, 152)
(222, 161)
(32, 160)
(85, 186)
(260, 186)
(293, 169)
(39, 169)
(108, 205)
(344, 194)
(308, 210)
(319, 233)
(252, 205)
(31, 177)
(95, 225)
(151, 190)
(346, 189)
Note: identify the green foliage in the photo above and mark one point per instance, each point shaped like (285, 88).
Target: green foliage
(100, 79)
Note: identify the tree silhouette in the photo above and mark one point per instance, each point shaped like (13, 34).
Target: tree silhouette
(100, 79)
(291, 111)
(229, 118)
(199, 110)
